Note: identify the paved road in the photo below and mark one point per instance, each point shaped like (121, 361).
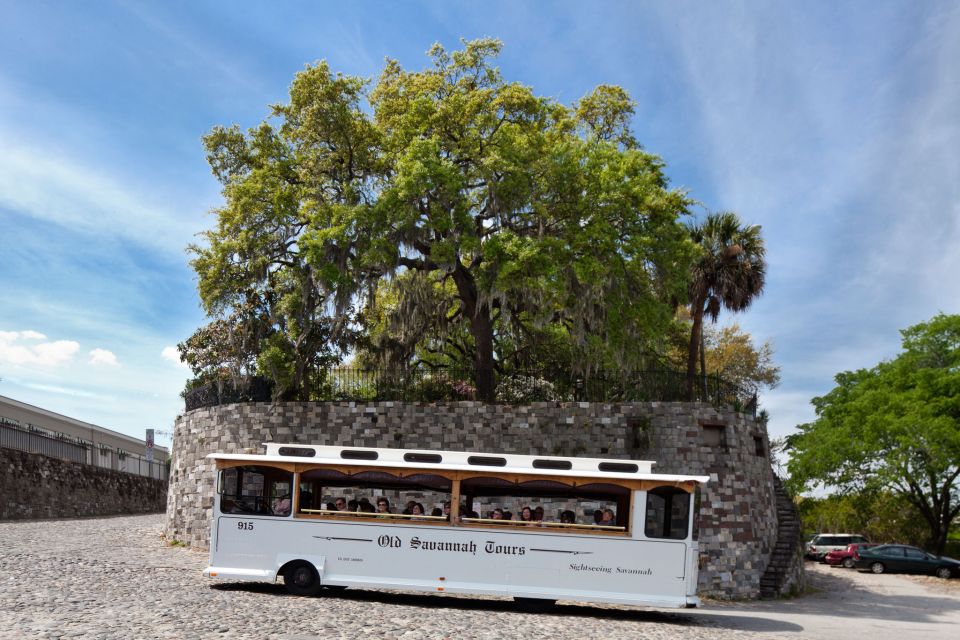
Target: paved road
(845, 604)
(115, 578)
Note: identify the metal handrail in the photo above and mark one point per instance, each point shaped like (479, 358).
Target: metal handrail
(368, 514)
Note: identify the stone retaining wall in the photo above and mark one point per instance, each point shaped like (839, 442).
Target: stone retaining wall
(34, 486)
(738, 523)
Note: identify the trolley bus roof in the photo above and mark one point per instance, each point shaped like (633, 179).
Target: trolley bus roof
(611, 468)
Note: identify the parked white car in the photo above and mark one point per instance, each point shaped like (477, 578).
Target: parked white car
(824, 543)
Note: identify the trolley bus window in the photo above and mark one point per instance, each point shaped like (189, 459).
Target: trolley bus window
(508, 501)
(375, 494)
(668, 513)
(260, 490)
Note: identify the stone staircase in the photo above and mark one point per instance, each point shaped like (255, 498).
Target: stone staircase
(786, 561)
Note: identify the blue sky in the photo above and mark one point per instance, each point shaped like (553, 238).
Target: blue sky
(833, 125)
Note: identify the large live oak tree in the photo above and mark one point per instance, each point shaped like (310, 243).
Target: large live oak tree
(486, 208)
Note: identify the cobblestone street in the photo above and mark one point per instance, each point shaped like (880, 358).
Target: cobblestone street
(116, 578)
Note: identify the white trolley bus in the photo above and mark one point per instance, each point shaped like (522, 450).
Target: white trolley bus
(536, 528)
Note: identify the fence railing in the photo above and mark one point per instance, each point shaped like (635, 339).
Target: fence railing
(13, 437)
(341, 384)
(24, 439)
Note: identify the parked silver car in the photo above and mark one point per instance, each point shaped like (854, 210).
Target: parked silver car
(824, 543)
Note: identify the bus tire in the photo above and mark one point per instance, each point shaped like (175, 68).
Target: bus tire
(300, 578)
(534, 605)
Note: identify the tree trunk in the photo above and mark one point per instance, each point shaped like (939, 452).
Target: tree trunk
(939, 532)
(935, 509)
(300, 382)
(941, 542)
(703, 363)
(481, 328)
(696, 312)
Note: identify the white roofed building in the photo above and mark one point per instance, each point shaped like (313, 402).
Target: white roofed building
(37, 430)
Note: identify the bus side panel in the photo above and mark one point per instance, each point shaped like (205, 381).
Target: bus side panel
(247, 548)
(460, 559)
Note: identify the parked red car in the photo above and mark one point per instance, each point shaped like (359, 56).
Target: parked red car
(847, 557)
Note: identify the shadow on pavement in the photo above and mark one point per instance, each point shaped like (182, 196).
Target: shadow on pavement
(682, 618)
(839, 597)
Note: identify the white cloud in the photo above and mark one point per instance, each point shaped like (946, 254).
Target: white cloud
(47, 354)
(64, 391)
(103, 356)
(10, 336)
(173, 355)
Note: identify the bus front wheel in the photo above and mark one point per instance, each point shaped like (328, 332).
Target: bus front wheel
(301, 579)
(534, 605)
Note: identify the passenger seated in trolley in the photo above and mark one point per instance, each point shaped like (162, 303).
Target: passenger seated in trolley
(607, 519)
(526, 515)
(306, 500)
(568, 517)
(383, 505)
(281, 506)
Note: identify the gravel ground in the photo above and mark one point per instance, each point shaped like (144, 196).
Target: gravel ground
(116, 578)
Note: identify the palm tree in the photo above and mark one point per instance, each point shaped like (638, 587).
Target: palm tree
(730, 273)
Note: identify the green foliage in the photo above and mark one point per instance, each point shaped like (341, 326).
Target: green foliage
(447, 215)
(227, 346)
(729, 273)
(440, 387)
(347, 384)
(880, 516)
(729, 352)
(894, 427)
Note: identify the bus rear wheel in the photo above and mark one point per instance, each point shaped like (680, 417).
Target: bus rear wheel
(534, 605)
(301, 579)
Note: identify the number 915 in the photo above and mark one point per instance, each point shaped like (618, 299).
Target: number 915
(245, 526)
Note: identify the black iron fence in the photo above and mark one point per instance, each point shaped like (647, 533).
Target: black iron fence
(248, 389)
(342, 384)
(25, 439)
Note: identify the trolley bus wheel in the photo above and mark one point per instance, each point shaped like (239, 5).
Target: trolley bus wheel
(534, 605)
(301, 579)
